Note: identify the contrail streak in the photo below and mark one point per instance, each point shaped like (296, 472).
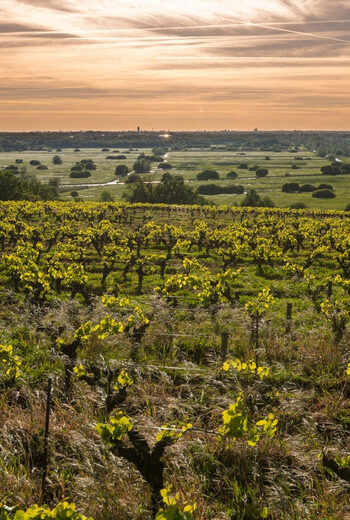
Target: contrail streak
(320, 36)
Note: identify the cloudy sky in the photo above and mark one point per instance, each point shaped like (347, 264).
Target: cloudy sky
(174, 64)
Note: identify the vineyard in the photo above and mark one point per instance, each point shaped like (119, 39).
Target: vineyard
(174, 362)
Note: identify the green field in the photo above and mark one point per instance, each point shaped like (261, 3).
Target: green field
(189, 163)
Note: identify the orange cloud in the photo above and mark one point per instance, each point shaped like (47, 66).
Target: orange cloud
(205, 64)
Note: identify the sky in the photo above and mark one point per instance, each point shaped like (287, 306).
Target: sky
(174, 64)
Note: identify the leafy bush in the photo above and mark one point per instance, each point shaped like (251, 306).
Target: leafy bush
(261, 172)
(11, 168)
(34, 162)
(214, 189)
(298, 205)
(133, 177)
(307, 188)
(27, 188)
(207, 175)
(42, 167)
(253, 199)
(56, 159)
(290, 187)
(232, 175)
(164, 166)
(171, 190)
(324, 194)
(116, 157)
(63, 511)
(142, 166)
(106, 196)
(325, 187)
(121, 170)
(79, 174)
(330, 169)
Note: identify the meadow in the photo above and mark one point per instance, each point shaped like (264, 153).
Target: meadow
(189, 163)
(199, 358)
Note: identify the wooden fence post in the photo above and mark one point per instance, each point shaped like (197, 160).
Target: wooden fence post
(329, 290)
(224, 346)
(46, 438)
(289, 317)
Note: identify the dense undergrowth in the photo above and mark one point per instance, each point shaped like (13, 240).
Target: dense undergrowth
(199, 351)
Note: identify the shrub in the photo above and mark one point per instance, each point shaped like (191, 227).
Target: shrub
(105, 150)
(42, 167)
(347, 207)
(88, 164)
(164, 166)
(121, 170)
(290, 187)
(330, 169)
(298, 205)
(56, 159)
(242, 166)
(267, 202)
(74, 194)
(34, 162)
(55, 182)
(307, 188)
(116, 157)
(232, 175)
(11, 168)
(325, 187)
(79, 174)
(77, 150)
(261, 172)
(171, 190)
(106, 196)
(253, 199)
(76, 168)
(133, 177)
(214, 189)
(206, 175)
(324, 194)
(142, 166)
(19, 161)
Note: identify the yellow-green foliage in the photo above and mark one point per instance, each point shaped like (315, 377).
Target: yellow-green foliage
(123, 380)
(235, 424)
(9, 362)
(112, 432)
(63, 511)
(173, 432)
(246, 367)
(173, 510)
